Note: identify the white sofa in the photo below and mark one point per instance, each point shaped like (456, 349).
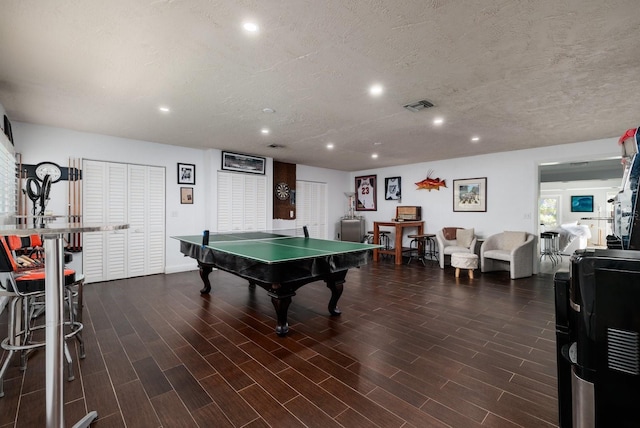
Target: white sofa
(510, 251)
(446, 247)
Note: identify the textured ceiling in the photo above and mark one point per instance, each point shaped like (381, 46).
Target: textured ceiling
(518, 74)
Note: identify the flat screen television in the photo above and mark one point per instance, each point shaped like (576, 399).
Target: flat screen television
(582, 204)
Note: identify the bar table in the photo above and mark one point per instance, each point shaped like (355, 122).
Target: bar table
(399, 227)
(52, 234)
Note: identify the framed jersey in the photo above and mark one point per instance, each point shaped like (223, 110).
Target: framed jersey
(366, 193)
(392, 189)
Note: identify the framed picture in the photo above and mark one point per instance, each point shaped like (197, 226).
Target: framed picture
(186, 173)
(393, 189)
(243, 163)
(186, 195)
(582, 204)
(366, 193)
(470, 194)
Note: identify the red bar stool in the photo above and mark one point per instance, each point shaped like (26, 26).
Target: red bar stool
(25, 288)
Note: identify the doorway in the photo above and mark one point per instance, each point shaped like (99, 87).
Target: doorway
(580, 226)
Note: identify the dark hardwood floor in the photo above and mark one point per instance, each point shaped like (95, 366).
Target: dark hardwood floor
(414, 347)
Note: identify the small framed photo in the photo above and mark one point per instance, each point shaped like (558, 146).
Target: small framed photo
(186, 173)
(470, 195)
(392, 186)
(186, 195)
(243, 163)
(366, 193)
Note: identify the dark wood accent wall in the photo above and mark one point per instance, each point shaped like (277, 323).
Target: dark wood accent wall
(284, 173)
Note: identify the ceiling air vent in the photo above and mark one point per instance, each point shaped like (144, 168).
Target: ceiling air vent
(418, 105)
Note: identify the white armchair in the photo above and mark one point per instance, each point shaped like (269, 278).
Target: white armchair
(449, 242)
(510, 251)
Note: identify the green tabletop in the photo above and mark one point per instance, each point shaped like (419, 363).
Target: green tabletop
(273, 248)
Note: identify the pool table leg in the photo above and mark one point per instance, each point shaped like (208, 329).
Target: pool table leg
(335, 283)
(205, 270)
(336, 291)
(281, 305)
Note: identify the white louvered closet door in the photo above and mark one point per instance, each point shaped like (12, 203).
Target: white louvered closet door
(136, 199)
(242, 202)
(93, 243)
(311, 208)
(146, 220)
(155, 215)
(116, 251)
(104, 194)
(122, 193)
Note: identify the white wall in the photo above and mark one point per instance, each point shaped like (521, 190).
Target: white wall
(512, 181)
(40, 143)
(512, 187)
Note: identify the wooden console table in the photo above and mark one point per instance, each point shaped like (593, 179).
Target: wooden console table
(399, 231)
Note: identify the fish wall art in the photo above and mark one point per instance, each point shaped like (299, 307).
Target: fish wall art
(430, 183)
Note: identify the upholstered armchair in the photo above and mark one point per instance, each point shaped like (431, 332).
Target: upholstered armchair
(510, 251)
(454, 240)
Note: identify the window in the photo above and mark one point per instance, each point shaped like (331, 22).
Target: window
(8, 182)
(549, 210)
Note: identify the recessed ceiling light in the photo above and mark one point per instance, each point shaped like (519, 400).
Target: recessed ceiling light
(268, 110)
(374, 156)
(329, 146)
(475, 139)
(264, 131)
(377, 143)
(164, 109)
(438, 121)
(251, 27)
(376, 90)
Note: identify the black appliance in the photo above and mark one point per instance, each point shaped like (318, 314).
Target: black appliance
(597, 305)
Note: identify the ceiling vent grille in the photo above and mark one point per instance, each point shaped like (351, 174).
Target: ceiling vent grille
(418, 105)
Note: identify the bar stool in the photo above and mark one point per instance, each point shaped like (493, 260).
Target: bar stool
(384, 238)
(25, 288)
(430, 247)
(417, 247)
(550, 247)
(424, 246)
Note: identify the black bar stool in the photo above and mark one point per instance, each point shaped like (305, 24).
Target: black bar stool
(384, 239)
(550, 247)
(422, 246)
